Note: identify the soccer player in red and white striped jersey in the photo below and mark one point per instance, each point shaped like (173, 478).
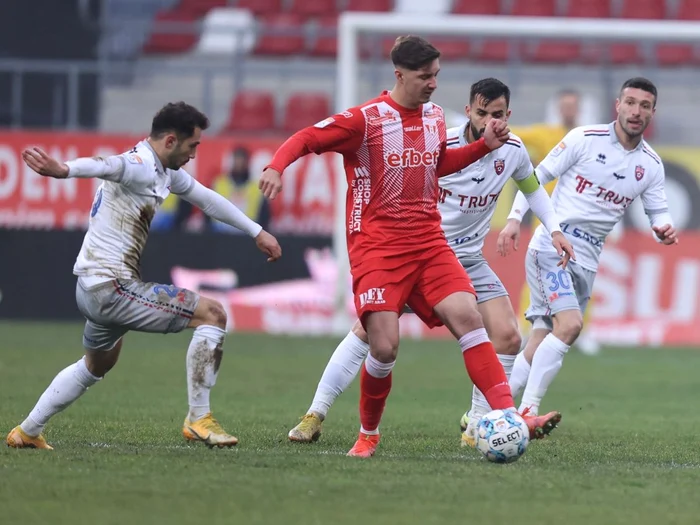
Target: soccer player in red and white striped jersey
(394, 150)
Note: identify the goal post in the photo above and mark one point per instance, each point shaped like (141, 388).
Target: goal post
(352, 24)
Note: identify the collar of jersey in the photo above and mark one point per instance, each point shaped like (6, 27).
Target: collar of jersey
(159, 164)
(615, 140)
(398, 107)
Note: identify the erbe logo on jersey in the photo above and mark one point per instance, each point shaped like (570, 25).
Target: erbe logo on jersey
(324, 123)
(372, 296)
(134, 158)
(639, 172)
(412, 158)
(558, 149)
(499, 165)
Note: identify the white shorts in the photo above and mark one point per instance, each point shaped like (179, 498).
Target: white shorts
(553, 290)
(115, 307)
(486, 283)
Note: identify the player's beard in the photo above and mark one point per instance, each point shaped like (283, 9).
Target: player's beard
(634, 133)
(476, 132)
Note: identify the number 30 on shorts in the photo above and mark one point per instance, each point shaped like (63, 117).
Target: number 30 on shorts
(559, 279)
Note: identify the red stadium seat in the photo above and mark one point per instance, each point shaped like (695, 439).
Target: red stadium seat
(615, 53)
(166, 41)
(377, 6)
(252, 111)
(534, 8)
(281, 34)
(674, 55)
(199, 8)
(588, 9)
(643, 9)
(493, 51)
(305, 109)
(688, 10)
(308, 8)
(560, 51)
(261, 7)
(325, 43)
(476, 7)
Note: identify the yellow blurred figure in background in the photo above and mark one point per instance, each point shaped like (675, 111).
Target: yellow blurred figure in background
(539, 140)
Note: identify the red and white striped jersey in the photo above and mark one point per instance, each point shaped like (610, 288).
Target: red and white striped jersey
(393, 157)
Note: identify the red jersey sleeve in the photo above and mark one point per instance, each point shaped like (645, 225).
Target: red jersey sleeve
(341, 133)
(454, 159)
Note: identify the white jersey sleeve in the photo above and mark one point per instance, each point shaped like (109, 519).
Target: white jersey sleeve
(105, 168)
(524, 168)
(562, 157)
(181, 182)
(655, 201)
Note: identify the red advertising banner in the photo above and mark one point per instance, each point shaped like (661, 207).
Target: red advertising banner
(644, 294)
(28, 200)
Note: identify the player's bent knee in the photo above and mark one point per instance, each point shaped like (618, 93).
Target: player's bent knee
(384, 349)
(568, 325)
(209, 312)
(507, 341)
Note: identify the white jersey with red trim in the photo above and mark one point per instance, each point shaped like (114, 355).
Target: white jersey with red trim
(598, 179)
(468, 198)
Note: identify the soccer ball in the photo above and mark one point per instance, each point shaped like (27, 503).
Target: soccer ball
(502, 436)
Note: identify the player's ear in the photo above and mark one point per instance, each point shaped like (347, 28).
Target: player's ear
(467, 110)
(508, 114)
(170, 141)
(617, 105)
(398, 75)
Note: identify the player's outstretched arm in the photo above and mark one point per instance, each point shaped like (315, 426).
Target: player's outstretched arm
(454, 159)
(109, 168)
(221, 209)
(342, 133)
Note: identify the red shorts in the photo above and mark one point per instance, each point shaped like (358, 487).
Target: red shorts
(420, 280)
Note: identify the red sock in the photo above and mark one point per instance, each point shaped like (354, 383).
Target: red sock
(373, 394)
(486, 372)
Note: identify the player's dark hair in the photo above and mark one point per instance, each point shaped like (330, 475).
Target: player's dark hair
(179, 118)
(568, 92)
(489, 89)
(413, 52)
(641, 83)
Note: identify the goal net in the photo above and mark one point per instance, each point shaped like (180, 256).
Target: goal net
(537, 58)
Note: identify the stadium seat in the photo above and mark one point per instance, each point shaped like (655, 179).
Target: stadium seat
(476, 7)
(614, 53)
(325, 41)
(280, 34)
(643, 9)
(688, 10)
(166, 40)
(588, 9)
(311, 8)
(199, 8)
(261, 7)
(533, 8)
(305, 109)
(555, 51)
(377, 6)
(251, 111)
(674, 55)
(494, 50)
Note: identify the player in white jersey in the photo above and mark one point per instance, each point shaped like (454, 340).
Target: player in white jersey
(467, 201)
(601, 170)
(110, 292)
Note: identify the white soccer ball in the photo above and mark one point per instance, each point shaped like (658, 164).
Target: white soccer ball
(502, 436)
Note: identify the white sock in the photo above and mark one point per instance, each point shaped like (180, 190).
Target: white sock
(546, 364)
(203, 360)
(519, 375)
(67, 386)
(340, 371)
(479, 404)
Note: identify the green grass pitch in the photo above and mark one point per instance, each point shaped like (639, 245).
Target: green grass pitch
(627, 451)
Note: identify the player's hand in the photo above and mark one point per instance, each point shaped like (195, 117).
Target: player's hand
(270, 183)
(564, 249)
(496, 133)
(509, 238)
(44, 165)
(667, 234)
(267, 244)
